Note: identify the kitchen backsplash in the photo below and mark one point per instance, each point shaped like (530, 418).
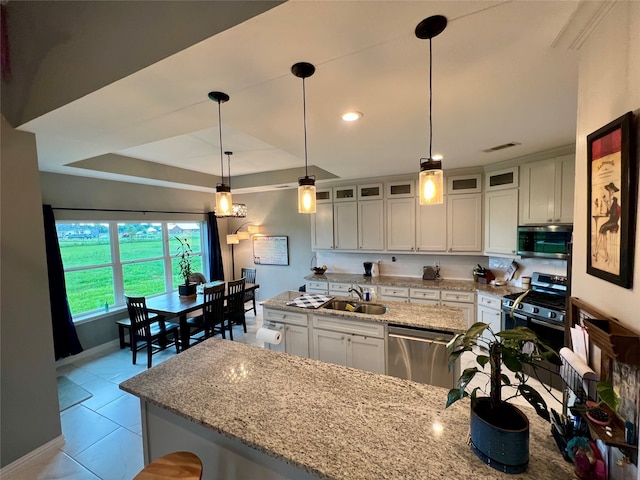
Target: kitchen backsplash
(452, 267)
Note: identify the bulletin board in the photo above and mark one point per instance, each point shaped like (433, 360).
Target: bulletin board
(269, 250)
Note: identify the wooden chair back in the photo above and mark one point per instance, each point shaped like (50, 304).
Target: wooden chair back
(249, 274)
(213, 309)
(139, 316)
(235, 301)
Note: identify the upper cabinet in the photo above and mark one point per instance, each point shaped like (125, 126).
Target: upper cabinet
(464, 223)
(464, 184)
(431, 227)
(501, 179)
(371, 224)
(501, 222)
(547, 191)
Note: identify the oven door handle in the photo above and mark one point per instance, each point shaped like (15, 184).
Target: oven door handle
(547, 324)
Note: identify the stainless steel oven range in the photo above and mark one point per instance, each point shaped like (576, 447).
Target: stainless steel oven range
(543, 309)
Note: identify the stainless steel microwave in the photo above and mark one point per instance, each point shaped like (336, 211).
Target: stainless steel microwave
(545, 241)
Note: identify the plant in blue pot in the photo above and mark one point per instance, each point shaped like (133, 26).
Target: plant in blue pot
(184, 265)
(499, 430)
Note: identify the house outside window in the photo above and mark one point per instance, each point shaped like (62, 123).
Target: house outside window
(104, 261)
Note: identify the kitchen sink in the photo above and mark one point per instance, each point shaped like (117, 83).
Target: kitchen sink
(356, 307)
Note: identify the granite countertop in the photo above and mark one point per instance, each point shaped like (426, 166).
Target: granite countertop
(332, 421)
(419, 315)
(416, 282)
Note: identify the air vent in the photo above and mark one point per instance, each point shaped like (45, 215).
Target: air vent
(501, 147)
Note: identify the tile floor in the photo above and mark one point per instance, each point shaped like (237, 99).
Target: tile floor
(103, 434)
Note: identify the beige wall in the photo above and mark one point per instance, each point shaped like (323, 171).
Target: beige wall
(609, 86)
(29, 415)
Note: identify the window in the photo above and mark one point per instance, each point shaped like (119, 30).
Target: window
(105, 261)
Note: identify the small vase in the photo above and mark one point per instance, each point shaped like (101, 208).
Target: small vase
(187, 290)
(500, 438)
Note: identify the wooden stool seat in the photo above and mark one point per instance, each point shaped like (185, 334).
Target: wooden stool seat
(183, 465)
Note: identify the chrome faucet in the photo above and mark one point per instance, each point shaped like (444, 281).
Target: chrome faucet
(358, 291)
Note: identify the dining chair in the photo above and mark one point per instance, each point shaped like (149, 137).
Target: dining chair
(184, 465)
(234, 312)
(198, 278)
(150, 333)
(212, 320)
(249, 275)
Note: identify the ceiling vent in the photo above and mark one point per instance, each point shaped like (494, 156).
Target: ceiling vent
(501, 147)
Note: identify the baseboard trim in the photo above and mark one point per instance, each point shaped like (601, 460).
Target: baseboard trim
(108, 347)
(55, 444)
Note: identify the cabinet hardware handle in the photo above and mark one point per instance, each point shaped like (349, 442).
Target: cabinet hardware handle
(342, 338)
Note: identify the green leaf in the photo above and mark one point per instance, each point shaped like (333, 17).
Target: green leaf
(536, 401)
(466, 377)
(608, 395)
(520, 334)
(453, 396)
(511, 361)
(482, 360)
(505, 379)
(475, 331)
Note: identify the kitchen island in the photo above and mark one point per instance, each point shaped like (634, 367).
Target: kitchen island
(249, 412)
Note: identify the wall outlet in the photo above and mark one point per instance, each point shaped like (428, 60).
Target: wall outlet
(393, 259)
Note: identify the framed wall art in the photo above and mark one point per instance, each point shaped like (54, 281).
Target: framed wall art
(612, 185)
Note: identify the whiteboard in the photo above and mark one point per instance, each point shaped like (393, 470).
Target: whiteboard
(270, 250)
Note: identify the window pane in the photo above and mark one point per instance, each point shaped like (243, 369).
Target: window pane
(139, 241)
(190, 231)
(83, 244)
(144, 278)
(88, 290)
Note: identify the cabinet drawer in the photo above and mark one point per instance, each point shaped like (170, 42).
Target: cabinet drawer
(490, 301)
(318, 286)
(401, 292)
(285, 317)
(339, 287)
(424, 294)
(340, 324)
(456, 296)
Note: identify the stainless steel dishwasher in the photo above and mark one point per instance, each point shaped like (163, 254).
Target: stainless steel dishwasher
(421, 355)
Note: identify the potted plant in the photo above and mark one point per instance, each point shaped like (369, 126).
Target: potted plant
(499, 430)
(184, 254)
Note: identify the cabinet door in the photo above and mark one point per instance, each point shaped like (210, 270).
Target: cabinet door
(279, 327)
(431, 227)
(366, 353)
(468, 310)
(464, 223)
(401, 224)
(296, 340)
(501, 222)
(345, 225)
(322, 227)
(564, 188)
(330, 346)
(492, 318)
(538, 191)
(371, 224)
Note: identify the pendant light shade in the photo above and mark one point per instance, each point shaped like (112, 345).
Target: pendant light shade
(431, 175)
(224, 204)
(306, 184)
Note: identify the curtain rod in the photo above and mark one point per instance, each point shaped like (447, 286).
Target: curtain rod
(144, 212)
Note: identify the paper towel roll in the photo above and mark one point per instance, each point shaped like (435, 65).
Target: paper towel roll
(575, 371)
(269, 336)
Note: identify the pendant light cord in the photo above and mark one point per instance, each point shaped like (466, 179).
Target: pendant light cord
(304, 119)
(430, 99)
(229, 169)
(220, 130)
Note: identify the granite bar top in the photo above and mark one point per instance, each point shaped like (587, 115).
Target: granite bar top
(334, 422)
(416, 282)
(418, 315)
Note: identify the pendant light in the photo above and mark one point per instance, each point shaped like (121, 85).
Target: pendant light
(431, 176)
(306, 184)
(224, 206)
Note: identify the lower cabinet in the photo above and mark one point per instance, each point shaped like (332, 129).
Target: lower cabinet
(463, 300)
(349, 343)
(489, 312)
(294, 330)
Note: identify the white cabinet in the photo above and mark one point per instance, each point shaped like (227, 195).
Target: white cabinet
(294, 330)
(372, 191)
(464, 184)
(547, 191)
(394, 294)
(424, 296)
(317, 287)
(501, 222)
(322, 227)
(464, 223)
(501, 179)
(339, 288)
(489, 312)
(371, 224)
(345, 223)
(401, 224)
(351, 343)
(431, 227)
(466, 301)
(403, 189)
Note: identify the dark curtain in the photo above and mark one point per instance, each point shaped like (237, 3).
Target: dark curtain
(65, 338)
(216, 271)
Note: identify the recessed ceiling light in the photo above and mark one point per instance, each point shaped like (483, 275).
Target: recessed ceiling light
(352, 116)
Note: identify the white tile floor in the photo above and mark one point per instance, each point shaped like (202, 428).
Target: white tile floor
(103, 434)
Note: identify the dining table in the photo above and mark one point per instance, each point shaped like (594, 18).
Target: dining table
(170, 305)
